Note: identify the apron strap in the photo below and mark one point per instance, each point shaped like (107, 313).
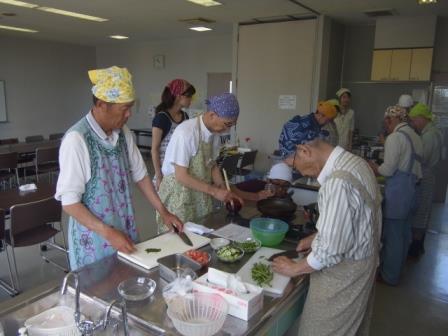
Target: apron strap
(414, 155)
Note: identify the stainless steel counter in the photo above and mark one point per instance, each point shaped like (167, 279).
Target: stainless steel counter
(100, 281)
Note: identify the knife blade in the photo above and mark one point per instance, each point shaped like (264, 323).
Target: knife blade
(292, 254)
(183, 236)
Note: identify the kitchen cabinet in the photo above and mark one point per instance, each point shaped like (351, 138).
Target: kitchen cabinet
(402, 64)
(381, 64)
(421, 64)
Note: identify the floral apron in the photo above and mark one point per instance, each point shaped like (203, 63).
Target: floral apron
(186, 203)
(107, 195)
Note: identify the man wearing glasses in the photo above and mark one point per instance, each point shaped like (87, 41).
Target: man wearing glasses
(344, 253)
(191, 177)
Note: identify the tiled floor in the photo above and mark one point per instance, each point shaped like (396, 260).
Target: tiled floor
(419, 306)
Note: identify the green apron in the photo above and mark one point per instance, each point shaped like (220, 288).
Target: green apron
(186, 203)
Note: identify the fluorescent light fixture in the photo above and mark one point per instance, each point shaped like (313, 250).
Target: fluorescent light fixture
(119, 37)
(200, 29)
(72, 14)
(426, 2)
(206, 3)
(23, 30)
(19, 3)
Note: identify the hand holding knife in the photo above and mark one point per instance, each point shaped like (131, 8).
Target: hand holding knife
(183, 236)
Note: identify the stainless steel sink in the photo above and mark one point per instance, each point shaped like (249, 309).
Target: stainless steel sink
(91, 308)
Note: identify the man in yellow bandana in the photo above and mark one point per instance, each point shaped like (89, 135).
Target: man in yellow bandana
(98, 159)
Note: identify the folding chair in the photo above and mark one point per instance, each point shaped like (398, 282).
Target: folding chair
(8, 287)
(34, 138)
(8, 168)
(33, 223)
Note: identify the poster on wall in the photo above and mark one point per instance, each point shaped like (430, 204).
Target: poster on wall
(287, 102)
(3, 114)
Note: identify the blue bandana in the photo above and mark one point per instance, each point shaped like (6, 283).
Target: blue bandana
(297, 131)
(224, 105)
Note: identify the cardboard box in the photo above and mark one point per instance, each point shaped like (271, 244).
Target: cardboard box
(242, 304)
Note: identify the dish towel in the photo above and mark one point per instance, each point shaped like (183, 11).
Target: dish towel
(196, 228)
(28, 187)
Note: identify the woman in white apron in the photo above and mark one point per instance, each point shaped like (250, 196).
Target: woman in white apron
(169, 114)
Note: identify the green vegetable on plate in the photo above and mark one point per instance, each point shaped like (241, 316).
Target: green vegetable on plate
(262, 274)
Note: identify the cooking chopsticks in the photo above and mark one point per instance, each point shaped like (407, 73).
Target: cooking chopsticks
(226, 180)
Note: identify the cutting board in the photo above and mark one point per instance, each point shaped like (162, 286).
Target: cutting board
(279, 282)
(169, 243)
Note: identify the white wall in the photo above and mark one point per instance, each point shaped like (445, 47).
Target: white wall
(190, 59)
(274, 59)
(47, 87)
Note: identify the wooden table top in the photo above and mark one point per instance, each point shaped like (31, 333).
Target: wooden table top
(8, 198)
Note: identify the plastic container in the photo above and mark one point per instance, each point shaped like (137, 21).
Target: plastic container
(269, 231)
(136, 289)
(57, 321)
(199, 314)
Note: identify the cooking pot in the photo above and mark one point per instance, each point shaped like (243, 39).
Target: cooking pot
(277, 207)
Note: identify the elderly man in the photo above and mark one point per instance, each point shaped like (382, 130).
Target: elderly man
(402, 169)
(191, 177)
(345, 120)
(301, 129)
(344, 251)
(98, 158)
(421, 120)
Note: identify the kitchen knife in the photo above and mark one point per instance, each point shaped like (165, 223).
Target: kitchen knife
(183, 236)
(292, 254)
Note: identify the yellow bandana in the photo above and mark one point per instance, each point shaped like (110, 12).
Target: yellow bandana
(112, 85)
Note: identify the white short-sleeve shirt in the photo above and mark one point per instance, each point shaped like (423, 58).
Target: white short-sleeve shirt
(184, 144)
(74, 161)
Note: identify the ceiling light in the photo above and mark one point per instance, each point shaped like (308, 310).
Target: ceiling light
(206, 3)
(119, 37)
(72, 14)
(426, 2)
(200, 29)
(23, 30)
(19, 3)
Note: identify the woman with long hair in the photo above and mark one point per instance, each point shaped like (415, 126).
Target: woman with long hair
(169, 114)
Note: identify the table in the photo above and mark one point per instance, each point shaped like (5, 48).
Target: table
(28, 147)
(142, 132)
(14, 196)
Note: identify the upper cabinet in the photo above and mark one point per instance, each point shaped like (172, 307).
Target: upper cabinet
(421, 64)
(402, 64)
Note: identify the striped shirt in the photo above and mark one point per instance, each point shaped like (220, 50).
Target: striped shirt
(346, 223)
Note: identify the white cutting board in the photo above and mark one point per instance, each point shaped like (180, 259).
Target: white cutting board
(169, 243)
(279, 282)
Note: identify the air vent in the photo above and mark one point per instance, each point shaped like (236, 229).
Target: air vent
(197, 21)
(380, 13)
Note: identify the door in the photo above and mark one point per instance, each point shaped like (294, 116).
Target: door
(381, 65)
(421, 64)
(400, 64)
(275, 60)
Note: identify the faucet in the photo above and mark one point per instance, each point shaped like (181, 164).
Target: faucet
(124, 315)
(87, 327)
(77, 293)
